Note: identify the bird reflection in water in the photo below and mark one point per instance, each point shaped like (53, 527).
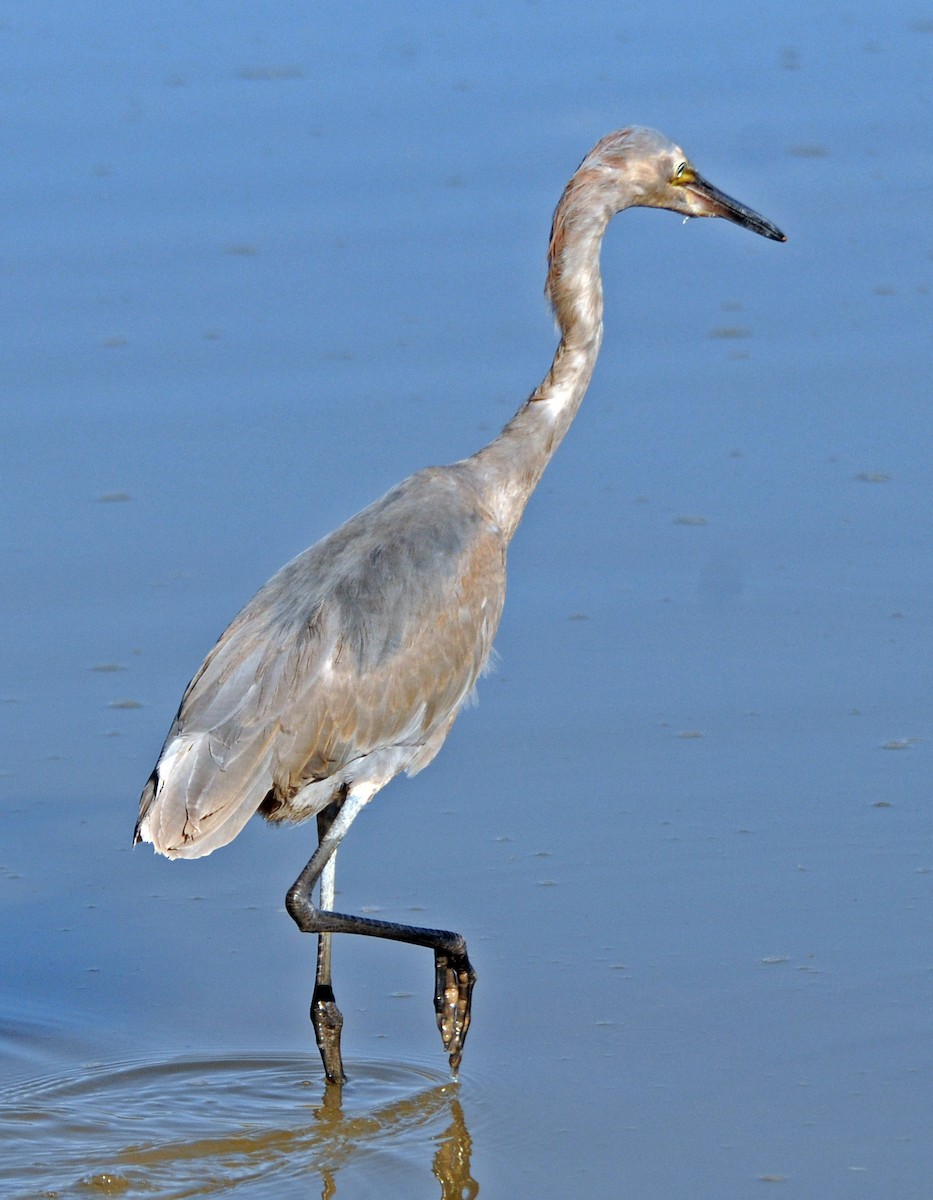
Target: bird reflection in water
(451, 1164)
(208, 1126)
(345, 1137)
(333, 1141)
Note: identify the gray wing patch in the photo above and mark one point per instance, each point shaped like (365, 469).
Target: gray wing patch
(365, 645)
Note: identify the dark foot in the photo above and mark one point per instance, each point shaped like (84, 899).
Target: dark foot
(328, 1022)
(453, 989)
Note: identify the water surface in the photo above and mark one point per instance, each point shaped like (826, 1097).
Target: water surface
(261, 264)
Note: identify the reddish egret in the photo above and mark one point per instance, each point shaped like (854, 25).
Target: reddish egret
(352, 662)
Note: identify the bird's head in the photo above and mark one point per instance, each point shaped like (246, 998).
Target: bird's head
(638, 167)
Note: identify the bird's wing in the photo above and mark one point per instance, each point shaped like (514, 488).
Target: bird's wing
(369, 641)
(217, 765)
(400, 664)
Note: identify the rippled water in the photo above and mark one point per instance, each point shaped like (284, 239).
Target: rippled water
(250, 1125)
(261, 262)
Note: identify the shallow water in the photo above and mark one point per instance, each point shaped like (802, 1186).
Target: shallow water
(260, 265)
(257, 1125)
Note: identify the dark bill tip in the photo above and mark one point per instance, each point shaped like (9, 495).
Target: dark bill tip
(718, 204)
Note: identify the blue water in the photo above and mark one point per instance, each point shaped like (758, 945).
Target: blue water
(261, 262)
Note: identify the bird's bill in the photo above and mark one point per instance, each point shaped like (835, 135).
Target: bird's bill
(714, 203)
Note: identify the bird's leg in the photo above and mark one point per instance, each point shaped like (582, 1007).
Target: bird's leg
(454, 974)
(325, 1015)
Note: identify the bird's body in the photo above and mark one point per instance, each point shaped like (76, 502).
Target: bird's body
(346, 668)
(350, 665)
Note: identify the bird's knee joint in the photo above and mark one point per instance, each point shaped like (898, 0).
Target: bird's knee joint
(299, 908)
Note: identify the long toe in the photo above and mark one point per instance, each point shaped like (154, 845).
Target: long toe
(453, 994)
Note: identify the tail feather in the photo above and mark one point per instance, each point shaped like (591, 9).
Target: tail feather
(201, 794)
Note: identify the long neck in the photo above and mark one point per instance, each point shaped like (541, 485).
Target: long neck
(508, 469)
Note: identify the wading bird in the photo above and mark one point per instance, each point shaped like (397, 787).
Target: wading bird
(352, 662)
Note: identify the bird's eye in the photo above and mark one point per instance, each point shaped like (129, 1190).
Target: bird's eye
(681, 171)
